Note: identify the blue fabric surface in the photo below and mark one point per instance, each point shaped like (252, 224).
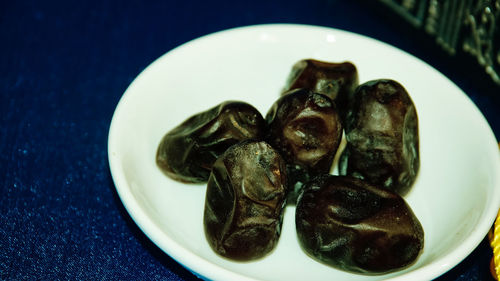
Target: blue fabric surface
(63, 67)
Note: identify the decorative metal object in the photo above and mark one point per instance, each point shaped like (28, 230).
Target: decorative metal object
(472, 25)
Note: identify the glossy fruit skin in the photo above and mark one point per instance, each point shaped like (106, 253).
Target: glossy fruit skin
(381, 129)
(352, 225)
(187, 152)
(334, 80)
(245, 200)
(306, 130)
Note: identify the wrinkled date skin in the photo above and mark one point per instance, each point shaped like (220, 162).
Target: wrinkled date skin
(187, 152)
(334, 80)
(245, 201)
(382, 136)
(305, 128)
(354, 226)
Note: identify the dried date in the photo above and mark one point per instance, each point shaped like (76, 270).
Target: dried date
(305, 128)
(245, 198)
(187, 152)
(334, 80)
(355, 226)
(381, 129)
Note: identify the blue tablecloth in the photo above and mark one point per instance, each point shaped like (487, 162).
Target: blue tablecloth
(63, 67)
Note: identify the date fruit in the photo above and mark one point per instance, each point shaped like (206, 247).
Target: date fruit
(245, 199)
(381, 129)
(187, 152)
(335, 80)
(305, 128)
(352, 225)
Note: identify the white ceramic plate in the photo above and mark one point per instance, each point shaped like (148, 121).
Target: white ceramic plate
(456, 195)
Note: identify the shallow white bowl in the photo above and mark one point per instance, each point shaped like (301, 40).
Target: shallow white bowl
(456, 195)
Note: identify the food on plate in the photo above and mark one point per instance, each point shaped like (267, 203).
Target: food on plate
(358, 221)
(305, 128)
(381, 129)
(355, 226)
(245, 199)
(335, 80)
(187, 152)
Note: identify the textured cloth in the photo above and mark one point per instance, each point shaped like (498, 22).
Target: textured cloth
(63, 68)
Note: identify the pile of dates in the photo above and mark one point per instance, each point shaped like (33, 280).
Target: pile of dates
(254, 166)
